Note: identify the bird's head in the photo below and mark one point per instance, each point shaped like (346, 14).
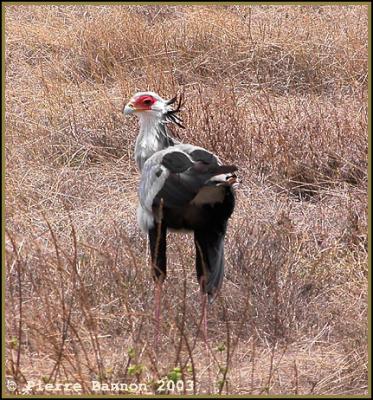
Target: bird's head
(148, 102)
(151, 105)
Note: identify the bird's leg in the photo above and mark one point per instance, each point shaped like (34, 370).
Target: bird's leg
(204, 242)
(203, 324)
(157, 311)
(157, 240)
(203, 309)
(201, 275)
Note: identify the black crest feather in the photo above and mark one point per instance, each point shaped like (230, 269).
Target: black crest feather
(171, 115)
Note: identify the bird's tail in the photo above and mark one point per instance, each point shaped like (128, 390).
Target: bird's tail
(210, 261)
(222, 169)
(214, 172)
(225, 176)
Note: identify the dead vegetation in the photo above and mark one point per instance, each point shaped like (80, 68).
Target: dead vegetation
(279, 90)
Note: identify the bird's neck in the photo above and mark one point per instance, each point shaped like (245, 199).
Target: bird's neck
(153, 137)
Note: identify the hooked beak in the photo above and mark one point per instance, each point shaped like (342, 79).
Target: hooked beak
(129, 109)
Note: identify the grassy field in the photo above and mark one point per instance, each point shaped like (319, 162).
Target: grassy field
(280, 91)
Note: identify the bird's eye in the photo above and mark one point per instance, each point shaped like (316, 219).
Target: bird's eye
(147, 102)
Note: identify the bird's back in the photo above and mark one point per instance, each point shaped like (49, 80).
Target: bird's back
(192, 184)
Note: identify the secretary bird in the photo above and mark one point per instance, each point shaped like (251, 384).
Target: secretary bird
(182, 188)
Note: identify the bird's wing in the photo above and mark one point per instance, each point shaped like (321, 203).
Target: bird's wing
(197, 153)
(176, 174)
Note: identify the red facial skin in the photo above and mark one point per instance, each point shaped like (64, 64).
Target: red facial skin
(144, 103)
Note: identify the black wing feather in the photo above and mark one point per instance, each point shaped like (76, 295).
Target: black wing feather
(176, 161)
(204, 156)
(186, 178)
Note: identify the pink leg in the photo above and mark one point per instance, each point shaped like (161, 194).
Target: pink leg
(204, 298)
(157, 311)
(204, 315)
(204, 309)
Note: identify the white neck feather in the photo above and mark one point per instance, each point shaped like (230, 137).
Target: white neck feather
(148, 142)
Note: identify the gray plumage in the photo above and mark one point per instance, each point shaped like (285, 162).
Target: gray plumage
(178, 184)
(182, 187)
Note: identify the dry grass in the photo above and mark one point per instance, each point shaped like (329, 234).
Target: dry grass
(279, 90)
